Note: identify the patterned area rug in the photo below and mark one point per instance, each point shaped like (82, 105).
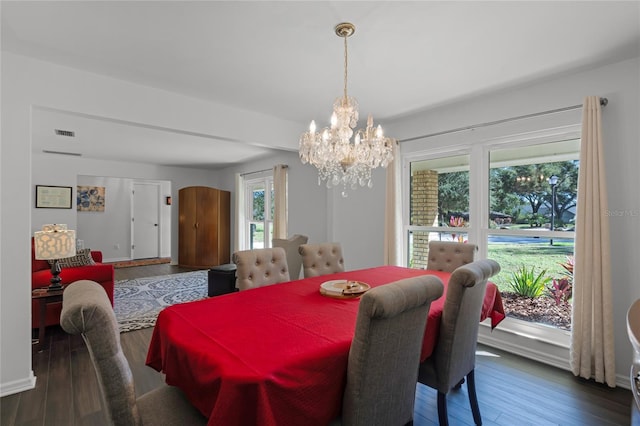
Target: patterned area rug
(137, 302)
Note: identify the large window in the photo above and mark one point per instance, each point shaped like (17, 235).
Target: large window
(258, 212)
(516, 201)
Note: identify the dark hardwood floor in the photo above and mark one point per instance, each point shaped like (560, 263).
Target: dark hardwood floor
(511, 390)
(149, 271)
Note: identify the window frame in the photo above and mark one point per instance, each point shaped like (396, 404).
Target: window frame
(407, 159)
(408, 228)
(508, 142)
(267, 181)
(537, 341)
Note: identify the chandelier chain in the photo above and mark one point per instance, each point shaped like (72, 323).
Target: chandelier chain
(343, 154)
(346, 56)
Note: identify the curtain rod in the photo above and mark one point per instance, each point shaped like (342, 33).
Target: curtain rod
(265, 170)
(603, 102)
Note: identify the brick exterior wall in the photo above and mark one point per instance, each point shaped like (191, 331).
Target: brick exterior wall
(424, 212)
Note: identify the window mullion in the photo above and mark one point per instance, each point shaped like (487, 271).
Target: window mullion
(268, 183)
(479, 187)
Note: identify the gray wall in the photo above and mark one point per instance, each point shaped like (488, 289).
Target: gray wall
(356, 221)
(620, 83)
(28, 84)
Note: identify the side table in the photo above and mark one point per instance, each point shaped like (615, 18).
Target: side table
(44, 297)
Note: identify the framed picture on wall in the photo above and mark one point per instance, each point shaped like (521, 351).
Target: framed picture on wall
(90, 198)
(53, 197)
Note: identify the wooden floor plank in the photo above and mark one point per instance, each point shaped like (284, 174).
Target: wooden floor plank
(9, 409)
(59, 406)
(134, 346)
(86, 400)
(36, 398)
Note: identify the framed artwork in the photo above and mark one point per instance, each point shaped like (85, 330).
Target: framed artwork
(53, 197)
(90, 198)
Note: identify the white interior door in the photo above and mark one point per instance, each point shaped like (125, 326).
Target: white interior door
(145, 221)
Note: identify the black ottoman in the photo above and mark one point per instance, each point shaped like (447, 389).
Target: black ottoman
(222, 279)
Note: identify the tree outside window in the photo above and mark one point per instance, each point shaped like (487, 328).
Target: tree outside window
(523, 192)
(534, 279)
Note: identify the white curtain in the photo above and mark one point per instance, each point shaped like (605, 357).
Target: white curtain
(393, 212)
(280, 201)
(592, 345)
(238, 241)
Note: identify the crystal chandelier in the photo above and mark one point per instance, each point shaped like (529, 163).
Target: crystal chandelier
(339, 159)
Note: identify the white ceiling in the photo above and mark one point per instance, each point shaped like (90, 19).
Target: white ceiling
(283, 59)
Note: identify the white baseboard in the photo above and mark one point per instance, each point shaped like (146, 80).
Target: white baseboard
(536, 342)
(18, 385)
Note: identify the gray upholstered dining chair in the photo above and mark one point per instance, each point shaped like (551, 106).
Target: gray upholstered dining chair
(633, 331)
(321, 259)
(86, 310)
(385, 353)
(290, 246)
(454, 354)
(448, 255)
(260, 267)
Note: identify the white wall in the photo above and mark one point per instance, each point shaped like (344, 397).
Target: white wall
(15, 229)
(69, 170)
(28, 83)
(620, 83)
(110, 230)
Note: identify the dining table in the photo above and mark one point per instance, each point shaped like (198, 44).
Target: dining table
(276, 355)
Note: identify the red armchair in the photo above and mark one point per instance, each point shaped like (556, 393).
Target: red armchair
(41, 277)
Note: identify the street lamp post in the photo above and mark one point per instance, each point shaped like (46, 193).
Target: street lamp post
(553, 181)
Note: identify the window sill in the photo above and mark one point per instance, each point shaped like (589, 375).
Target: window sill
(539, 342)
(541, 332)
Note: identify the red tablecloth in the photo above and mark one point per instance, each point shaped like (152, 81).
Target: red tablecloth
(275, 355)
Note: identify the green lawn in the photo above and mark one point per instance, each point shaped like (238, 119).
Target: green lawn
(539, 255)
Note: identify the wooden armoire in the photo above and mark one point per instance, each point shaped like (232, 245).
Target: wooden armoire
(204, 234)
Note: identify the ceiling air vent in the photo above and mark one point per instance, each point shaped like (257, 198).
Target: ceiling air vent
(67, 133)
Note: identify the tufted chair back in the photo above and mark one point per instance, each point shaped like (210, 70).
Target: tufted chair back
(290, 246)
(260, 267)
(454, 356)
(321, 259)
(86, 310)
(385, 353)
(447, 256)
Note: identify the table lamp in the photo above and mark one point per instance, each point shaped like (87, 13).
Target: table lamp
(52, 243)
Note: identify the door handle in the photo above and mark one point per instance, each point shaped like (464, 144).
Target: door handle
(155, 224)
